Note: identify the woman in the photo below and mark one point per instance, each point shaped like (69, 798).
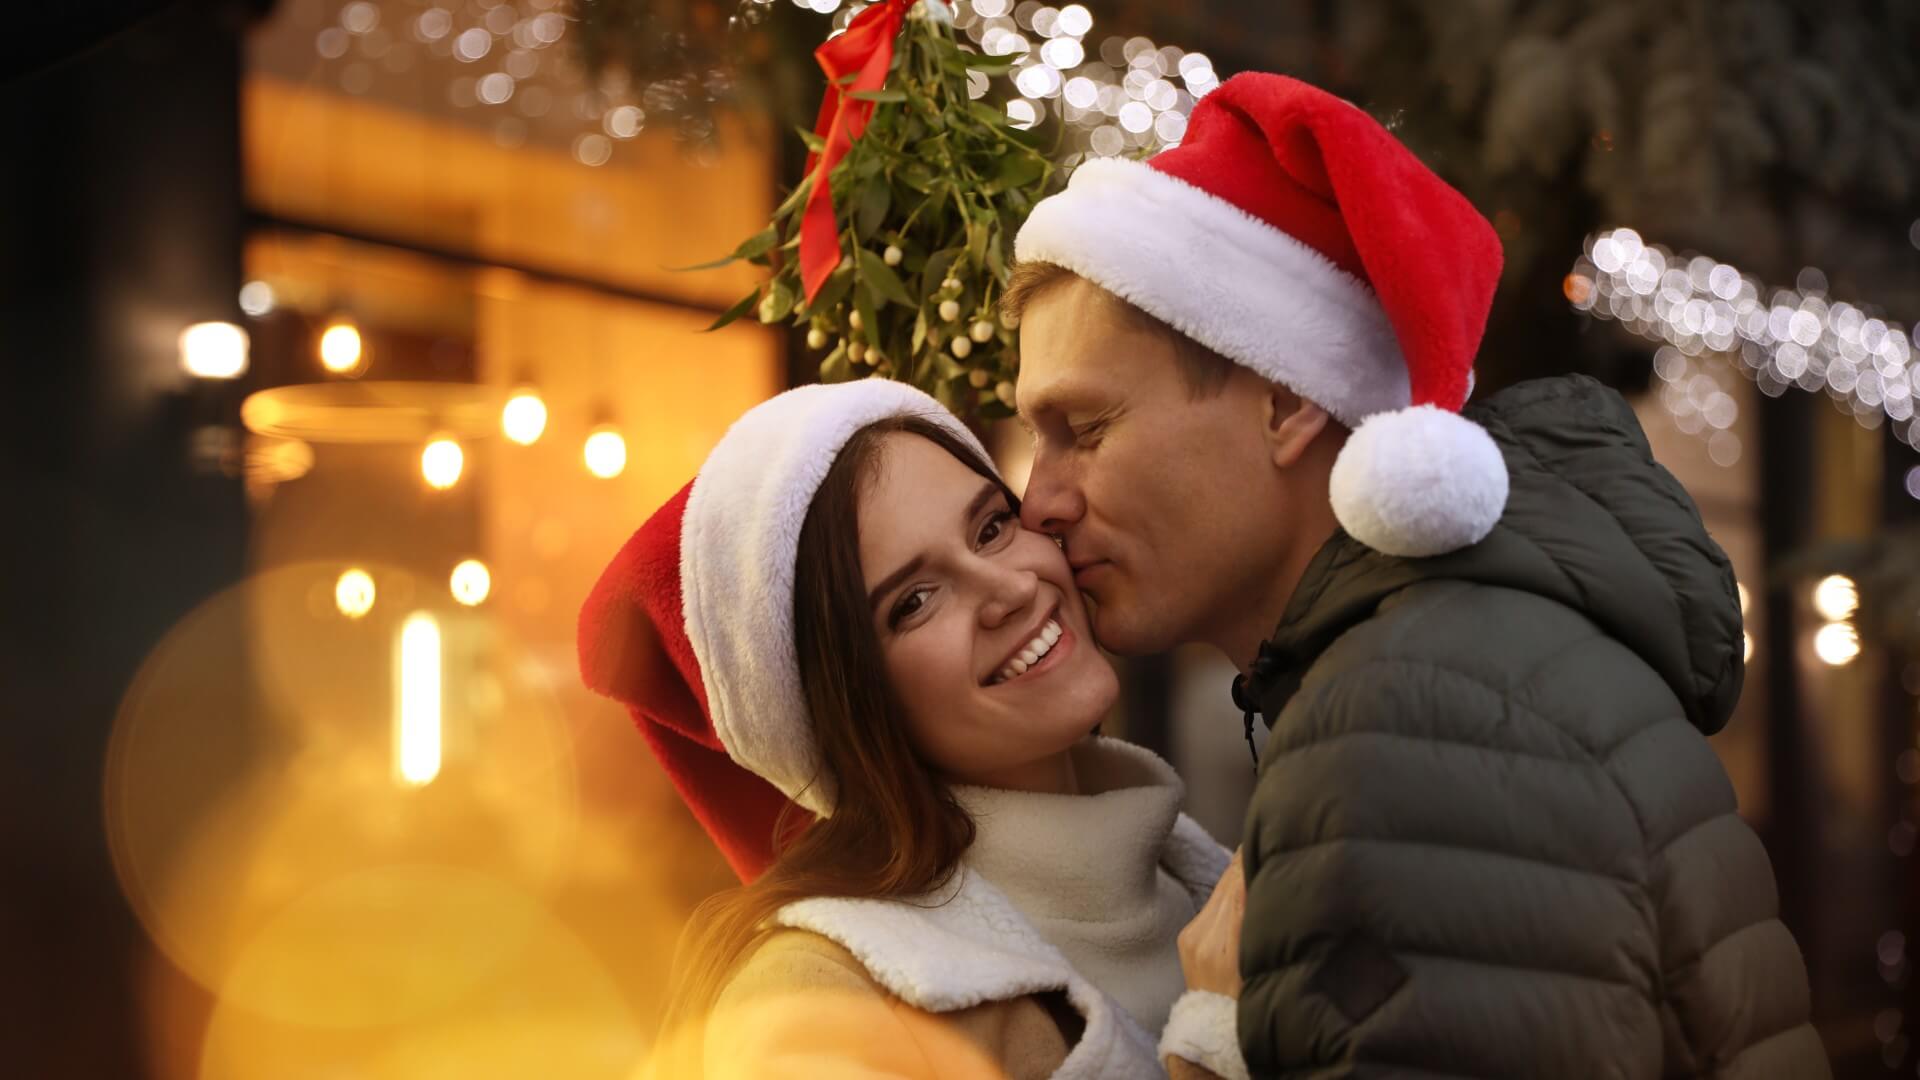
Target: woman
(841, 615)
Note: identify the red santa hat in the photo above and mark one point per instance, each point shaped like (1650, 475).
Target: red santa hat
(691, 626)
(1294, 235)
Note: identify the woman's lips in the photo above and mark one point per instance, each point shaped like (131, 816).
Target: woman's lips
(1053, 659)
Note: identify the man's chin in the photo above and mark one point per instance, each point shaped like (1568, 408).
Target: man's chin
(1117, 629)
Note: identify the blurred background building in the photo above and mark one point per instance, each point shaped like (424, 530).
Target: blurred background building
(344, 346)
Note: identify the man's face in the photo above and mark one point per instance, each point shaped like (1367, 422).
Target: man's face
(1166, 503)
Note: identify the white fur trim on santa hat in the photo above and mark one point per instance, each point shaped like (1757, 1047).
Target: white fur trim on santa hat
(1203, 1028)
(737, 546)
(1419, 482)
(1229, 281)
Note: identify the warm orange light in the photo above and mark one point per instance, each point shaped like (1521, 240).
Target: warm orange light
(471, 582)
(353, 594)
(524, 418)
(1837, 644)
(214, 350)
(441, 463)
(416, 735)
(1577, 288)
(606, 453)
(341, 350)
(1836, 597)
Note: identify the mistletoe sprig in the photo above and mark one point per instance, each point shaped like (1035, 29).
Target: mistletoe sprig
(926, 204)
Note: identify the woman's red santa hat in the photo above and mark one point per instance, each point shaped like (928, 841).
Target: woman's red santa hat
(1294, 235)
(691, 626)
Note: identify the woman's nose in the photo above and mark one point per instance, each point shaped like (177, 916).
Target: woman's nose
(1007, 591)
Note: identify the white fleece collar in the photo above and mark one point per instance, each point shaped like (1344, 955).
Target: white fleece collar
(967, 944)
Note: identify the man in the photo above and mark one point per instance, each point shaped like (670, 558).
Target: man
(1489, 838)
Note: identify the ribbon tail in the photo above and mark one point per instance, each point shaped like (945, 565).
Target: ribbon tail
(866, 47)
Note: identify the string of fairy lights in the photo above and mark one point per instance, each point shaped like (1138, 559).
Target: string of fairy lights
(1121, 95)
(1713, 320)
(1125, 96)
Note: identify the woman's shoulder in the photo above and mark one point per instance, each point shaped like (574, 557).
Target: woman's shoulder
(801, 1003)
(791, 960)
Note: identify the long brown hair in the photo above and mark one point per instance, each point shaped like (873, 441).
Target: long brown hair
(896, 830)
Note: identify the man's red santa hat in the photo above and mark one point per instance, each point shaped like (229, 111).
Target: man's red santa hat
(691, 626)
(1294, 235)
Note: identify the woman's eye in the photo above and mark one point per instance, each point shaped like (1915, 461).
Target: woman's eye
(998, 526)
(906, 607)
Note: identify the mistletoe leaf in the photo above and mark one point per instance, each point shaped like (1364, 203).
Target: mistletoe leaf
(871, 205)
(795, 198)
(1015, 171)
(988, 114)
(939, 264)
(875, 272)
(752, 248)
(869, 311)
(834, 291)
(740, 308)
(890, 97)
(987, 65)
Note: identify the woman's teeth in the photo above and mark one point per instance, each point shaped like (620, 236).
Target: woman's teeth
(1031, 653)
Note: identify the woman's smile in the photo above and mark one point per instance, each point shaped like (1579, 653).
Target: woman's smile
(1047, 649)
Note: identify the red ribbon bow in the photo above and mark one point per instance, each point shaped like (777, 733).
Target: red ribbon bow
(865, 50)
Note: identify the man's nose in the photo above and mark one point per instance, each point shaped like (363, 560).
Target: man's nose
(1052, 503)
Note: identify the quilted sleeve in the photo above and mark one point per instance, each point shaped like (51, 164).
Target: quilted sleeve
(1441, 882)
(1736, 1000)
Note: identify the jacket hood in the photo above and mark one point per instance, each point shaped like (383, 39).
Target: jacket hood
(1592, 522)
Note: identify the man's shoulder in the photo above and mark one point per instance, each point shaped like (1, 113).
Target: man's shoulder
(1457, 648)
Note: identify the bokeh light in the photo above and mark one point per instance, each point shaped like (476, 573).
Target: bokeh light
(524, 417)
(417, 706)
(1836, 644)
(471, 582)
(271, 830)
(213, 350)
(353, 593)
(341, 350)
(1713, 320)
(257, 299)
(605, 453)
(534, 1000)
(1836, 597)
(441, 464)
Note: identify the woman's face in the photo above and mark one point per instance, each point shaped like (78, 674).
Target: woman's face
(987, 644)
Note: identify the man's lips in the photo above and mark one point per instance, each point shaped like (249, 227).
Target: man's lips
(1084, 572)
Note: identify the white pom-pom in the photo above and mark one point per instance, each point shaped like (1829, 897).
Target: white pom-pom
(1419, 482)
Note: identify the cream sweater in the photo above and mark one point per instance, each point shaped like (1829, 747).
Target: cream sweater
(1086, 871)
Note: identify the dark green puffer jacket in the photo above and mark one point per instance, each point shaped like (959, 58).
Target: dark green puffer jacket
(1489, 837)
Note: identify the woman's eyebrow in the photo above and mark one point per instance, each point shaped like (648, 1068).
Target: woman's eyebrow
(893, 580)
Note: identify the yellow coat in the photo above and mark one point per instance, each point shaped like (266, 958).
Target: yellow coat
(956, 987)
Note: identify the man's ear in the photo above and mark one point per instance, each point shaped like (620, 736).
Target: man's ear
(1292, 423)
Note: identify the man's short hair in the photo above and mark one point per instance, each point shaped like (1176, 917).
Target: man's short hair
(1204, 371)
